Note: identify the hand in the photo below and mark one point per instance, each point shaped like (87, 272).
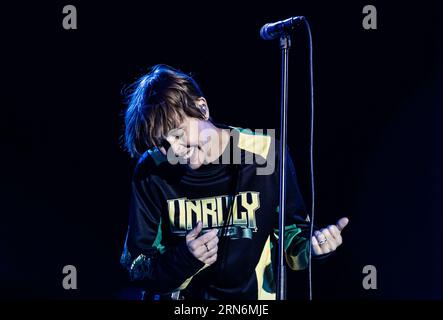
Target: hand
(205, 247)
(328, 239)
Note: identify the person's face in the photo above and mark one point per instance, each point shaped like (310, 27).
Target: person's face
(190, 141)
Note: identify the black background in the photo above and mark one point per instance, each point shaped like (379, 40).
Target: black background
(378, 150)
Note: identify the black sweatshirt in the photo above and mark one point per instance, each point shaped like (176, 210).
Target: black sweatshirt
(168, 200)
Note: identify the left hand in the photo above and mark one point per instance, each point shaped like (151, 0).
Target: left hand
(328, 239)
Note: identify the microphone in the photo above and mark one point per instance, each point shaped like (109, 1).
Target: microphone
(271, 31)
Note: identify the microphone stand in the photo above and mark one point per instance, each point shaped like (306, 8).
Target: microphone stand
(285, 45)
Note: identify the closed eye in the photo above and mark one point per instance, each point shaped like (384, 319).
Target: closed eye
(176, 133)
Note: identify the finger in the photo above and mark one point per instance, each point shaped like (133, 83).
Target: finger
(320, 236)
(199, 247)
(208, 236)
(194, 232)
(212, 243)
(199, 252)
(322, 241)
(209, 253)
(342, 223)
(315, 247)
(336, 234)
(330, 239)
(324, 245)
(211, 260)
(334, 231)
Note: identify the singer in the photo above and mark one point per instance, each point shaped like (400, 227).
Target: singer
(202, 221)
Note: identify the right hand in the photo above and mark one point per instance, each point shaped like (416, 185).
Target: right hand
(197, 247)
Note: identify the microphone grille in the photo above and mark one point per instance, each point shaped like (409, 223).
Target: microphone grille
(264, 32)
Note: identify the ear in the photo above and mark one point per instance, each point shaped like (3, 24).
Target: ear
(163, 151)
(203, 105)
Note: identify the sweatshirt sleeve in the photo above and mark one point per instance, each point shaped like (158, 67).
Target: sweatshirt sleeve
(152, 266)
(297, 222)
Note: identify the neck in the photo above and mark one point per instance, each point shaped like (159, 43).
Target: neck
(219, 139)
